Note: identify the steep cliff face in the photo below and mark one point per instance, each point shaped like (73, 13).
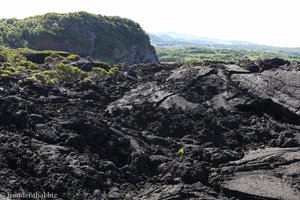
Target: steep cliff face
(111, 39)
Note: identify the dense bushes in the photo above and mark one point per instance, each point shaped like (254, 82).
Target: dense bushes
(73, 58)
(99, 73)
(62, 73)
(69, 73)
(56, 69)
(16, 65)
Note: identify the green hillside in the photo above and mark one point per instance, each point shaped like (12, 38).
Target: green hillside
(111, 39)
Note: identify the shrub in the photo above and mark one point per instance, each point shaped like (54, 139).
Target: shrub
(73, 58)
(29, 65)
(61, 73)
(54, 57)
(4, 75)
(32, 78)
(98, 74)
(69, 73)
(6, 64)
(100, 71)
(181, 150)
(87, 80)
(11, 69)
(48, 59)
(112, 71)
(46, 77)
(3, 57)
(20, 70)
(14, 57)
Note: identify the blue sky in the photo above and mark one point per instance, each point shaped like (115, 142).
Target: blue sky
(271, 22)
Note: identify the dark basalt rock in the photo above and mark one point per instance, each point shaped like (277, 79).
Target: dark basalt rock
(272, 63)
(199, 131)
(87, 65)
(261, 65)
(39, 58)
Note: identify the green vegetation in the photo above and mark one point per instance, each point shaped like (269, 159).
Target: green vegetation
(61, 73)
(181, 150)
(181, 48)
(55, 69)
(196, 54)
(73, 58)
(99, 73)
(15, 64)
(107, 38)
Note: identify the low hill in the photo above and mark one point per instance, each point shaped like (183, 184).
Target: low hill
(111, 39)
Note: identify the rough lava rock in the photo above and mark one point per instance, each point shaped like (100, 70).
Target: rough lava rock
(162, 131)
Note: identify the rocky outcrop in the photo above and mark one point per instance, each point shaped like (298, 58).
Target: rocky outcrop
(270, 173)
(198, 131)
(110, 39)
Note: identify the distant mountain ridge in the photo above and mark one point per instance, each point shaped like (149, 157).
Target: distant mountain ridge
(202, 40)
(179, 39)
(174, 47)
(110, 39)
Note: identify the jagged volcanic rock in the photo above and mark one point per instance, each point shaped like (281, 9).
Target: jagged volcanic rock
(195, 131)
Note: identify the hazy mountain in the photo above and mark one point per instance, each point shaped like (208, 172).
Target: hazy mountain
(173, 47)
(179, 39)
(175, 40)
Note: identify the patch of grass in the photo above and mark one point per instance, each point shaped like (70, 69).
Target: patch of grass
(181, 150)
